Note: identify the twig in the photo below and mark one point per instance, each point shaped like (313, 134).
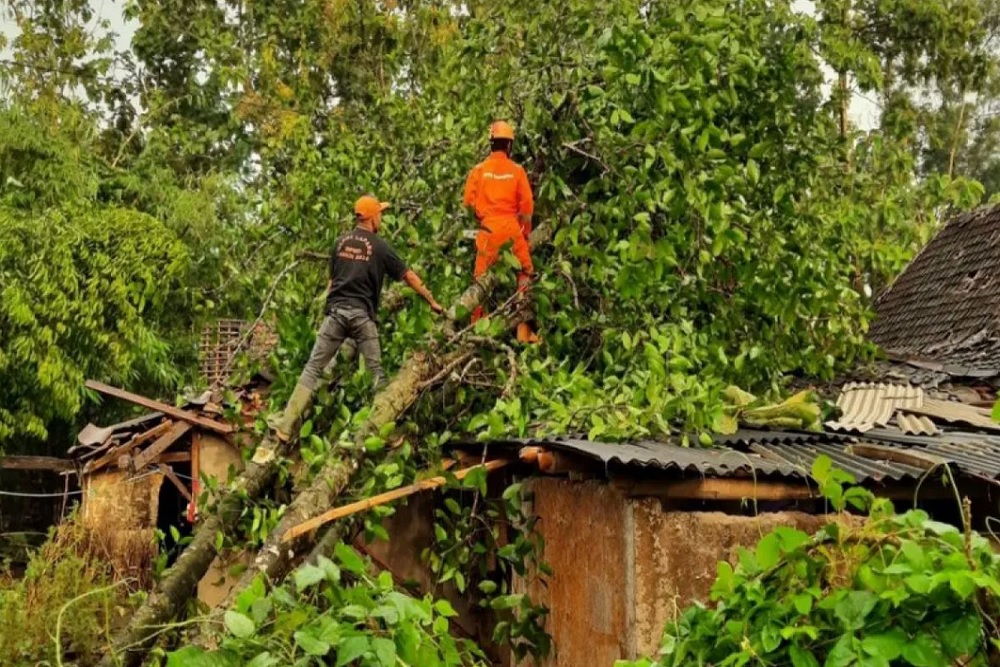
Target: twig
(58, 636)
(444, 372)
(576, 294)
(579, 151)
(512, 378)
(245, 338)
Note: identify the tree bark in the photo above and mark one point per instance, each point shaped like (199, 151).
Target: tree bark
(274, 559)
(179, 582)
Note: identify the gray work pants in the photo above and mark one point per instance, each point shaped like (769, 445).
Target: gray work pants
(339, 325)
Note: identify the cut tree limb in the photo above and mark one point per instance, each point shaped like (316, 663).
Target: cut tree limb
(178, 583)
(384, 498)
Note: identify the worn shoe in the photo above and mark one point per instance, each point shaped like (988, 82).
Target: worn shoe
(283, 423)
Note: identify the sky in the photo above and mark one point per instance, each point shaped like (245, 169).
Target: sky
(863, 112)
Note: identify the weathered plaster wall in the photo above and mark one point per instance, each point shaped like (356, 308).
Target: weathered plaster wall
(675, 557)
(623, 566)
(585, 536)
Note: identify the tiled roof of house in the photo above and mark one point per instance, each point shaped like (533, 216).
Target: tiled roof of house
(945, 307)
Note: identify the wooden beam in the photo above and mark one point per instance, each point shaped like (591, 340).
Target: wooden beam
(151, 453)
(117, 453)
(168, 472)
(910, 457)
(716, 489)
(192, 508)
(729, 489)
(383, 498)
(176, 413)
(174, 457)
(36, 463)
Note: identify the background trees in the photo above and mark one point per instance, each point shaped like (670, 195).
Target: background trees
(718, 218)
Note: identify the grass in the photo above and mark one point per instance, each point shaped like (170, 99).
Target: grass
(64, 607)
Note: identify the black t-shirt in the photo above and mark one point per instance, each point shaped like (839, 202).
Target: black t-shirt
(357, 268)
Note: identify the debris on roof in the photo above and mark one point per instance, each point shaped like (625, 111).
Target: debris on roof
(866, 405)
(952, 412)
(945, 306)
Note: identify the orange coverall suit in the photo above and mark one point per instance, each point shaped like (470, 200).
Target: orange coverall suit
(497, 189)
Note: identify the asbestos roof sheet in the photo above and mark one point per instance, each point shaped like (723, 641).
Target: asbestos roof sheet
(867, 405)
(945, 306)
(915, 424)
(955, 413)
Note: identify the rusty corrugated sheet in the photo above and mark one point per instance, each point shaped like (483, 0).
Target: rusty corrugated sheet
(802, 456)
(867, 405)
(713, 461)
(956, 413)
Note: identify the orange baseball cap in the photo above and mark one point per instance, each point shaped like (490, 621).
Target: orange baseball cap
(501, 130)
(368, 207)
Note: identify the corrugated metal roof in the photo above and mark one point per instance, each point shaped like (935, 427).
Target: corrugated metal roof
(713, 461)
(956, 413)
(867, 405)
(802, 455)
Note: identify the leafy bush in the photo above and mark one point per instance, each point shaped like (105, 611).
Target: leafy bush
(897, 589)
(334, 613)
(84, 292)
(65, 604)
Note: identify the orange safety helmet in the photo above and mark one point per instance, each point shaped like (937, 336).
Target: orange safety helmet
(501, 130)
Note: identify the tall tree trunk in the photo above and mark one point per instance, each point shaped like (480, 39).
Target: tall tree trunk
(275, 559)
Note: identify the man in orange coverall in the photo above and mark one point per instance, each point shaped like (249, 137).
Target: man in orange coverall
(498, 192)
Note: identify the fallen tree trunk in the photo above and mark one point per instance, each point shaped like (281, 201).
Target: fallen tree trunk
(177, 584)
(275, 559)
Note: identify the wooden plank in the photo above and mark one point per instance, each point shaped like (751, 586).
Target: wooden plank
(174, 457)
(383, 498)
(192, 508)
(151, 453)
(176, 413)
(116, 453)
(748, 489)
(908, 457)
(36, 463)
(168, 472)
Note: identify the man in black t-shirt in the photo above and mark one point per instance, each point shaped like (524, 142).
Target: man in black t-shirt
(361, 260)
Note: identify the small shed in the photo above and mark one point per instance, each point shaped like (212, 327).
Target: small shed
(147, 473)
(634, 531)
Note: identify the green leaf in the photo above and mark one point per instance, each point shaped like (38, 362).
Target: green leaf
(349, 559)
(963, 636)
(385, 651)
(310, 644)
(924, 651)
(350, 649)
(853, 608)
(768, 551)
(307, 576)
(803, 603)
(444, 608)
(192, 656)
(842, 654)
(239, 625)
(802, 657)
(888, 645)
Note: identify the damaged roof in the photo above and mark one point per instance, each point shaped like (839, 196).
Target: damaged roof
(945, 307)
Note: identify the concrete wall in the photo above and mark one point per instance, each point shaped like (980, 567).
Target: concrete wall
(623, 566)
